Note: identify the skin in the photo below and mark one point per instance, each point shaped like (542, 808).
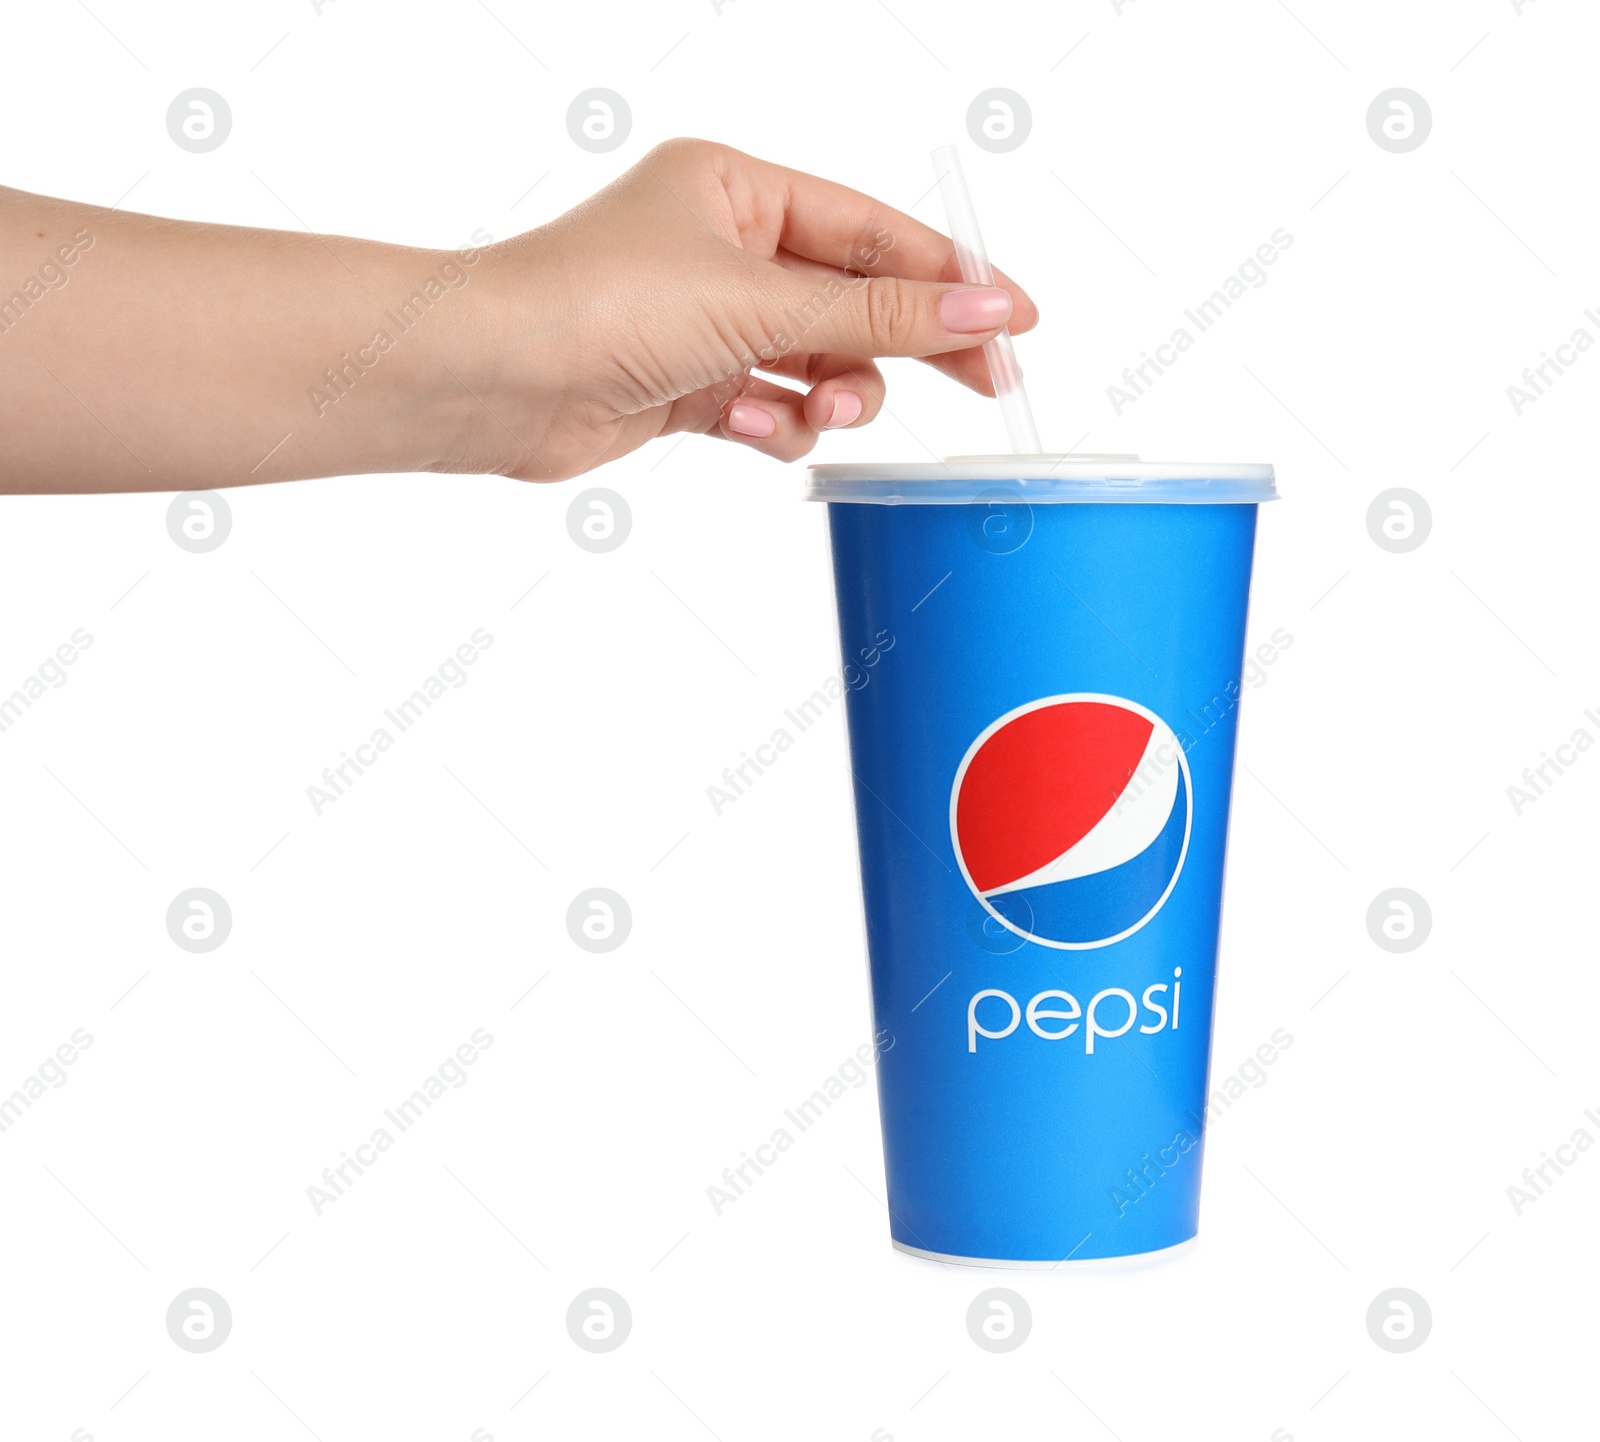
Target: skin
(170, 355)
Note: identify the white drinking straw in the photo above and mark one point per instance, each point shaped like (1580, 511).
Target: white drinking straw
(976, 270)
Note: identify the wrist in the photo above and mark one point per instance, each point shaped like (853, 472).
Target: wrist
(523, 340)
(424, 345)
(490, 343)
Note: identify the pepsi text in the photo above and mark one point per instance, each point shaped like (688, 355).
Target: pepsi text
(1055, 1015)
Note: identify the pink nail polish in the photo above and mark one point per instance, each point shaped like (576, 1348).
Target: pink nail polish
(846, 407)
(974, 309)
(748, 420)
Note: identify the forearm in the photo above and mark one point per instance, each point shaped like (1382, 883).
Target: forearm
(146, 354)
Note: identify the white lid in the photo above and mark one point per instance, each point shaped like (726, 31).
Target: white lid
(1043, 479)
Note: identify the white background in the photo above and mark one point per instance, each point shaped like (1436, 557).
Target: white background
(368, 943)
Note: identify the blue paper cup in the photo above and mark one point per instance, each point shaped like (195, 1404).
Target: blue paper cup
(1044, 662)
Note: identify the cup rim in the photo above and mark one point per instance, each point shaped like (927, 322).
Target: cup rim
(1044, 479)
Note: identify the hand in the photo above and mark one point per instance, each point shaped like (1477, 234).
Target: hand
(643, 311)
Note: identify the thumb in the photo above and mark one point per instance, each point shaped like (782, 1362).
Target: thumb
(891, 316)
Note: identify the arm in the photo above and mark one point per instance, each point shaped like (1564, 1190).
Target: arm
(155, 354)
(146, 354)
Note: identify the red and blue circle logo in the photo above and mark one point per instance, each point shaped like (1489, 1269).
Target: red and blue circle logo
(1070, 818)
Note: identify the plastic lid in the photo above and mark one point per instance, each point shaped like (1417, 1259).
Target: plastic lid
(1044, 480)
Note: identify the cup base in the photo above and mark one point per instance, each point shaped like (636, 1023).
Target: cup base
(1134, 1261)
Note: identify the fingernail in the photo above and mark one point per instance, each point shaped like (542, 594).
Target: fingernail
(747, 420)
(977, 308)
(846, 407)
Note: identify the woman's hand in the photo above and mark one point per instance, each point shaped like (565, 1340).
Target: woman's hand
(644, 310)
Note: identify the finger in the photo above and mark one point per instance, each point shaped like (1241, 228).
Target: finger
(824, 221)
(846, 390)
(883, 315)
(970, 367)
(1024, 313)
(766, 417)
(966, 366)
(769, 419)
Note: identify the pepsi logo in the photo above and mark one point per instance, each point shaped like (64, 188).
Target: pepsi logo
(1070, 818)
